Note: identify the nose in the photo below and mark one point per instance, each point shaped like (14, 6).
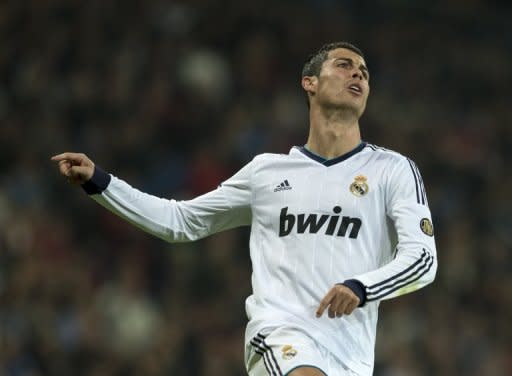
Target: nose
(357, 74)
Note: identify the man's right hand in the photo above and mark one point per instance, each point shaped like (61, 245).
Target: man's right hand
(75, 166)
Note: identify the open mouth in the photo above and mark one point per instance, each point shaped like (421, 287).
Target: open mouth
(356, 89)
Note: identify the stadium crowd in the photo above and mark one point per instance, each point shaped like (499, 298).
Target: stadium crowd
(174, 97)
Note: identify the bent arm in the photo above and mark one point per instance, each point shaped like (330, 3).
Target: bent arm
(415, 263)
(175, 221)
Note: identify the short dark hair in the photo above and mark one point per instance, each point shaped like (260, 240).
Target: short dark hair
(313, 66)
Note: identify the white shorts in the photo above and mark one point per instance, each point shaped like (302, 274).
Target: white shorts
(284, 349)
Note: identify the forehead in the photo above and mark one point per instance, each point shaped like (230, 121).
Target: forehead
(339, 53)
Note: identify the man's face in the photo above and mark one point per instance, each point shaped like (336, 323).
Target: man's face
(342, 83)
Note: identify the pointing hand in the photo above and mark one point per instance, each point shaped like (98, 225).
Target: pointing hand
(75, 166)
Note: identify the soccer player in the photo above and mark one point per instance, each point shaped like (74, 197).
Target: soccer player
(337, 225)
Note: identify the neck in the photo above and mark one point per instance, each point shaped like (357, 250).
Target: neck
(333, 133)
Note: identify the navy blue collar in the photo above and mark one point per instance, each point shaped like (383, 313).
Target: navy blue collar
(333, 161)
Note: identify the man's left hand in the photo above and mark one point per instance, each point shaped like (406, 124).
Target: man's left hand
(340, 300)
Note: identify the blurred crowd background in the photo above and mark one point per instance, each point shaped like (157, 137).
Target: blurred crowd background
(174, 97)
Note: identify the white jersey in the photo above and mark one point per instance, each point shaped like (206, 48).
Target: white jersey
(363, 216)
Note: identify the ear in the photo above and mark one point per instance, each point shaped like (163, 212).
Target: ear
(309, 84)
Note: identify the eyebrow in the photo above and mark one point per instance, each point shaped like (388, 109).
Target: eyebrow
(362, 66)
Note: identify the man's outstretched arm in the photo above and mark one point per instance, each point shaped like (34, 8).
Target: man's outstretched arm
(226, 207)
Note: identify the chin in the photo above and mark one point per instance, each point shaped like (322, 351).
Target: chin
(350, 107)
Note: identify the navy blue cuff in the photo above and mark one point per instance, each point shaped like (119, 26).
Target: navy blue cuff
(97, 183)
(358, 289)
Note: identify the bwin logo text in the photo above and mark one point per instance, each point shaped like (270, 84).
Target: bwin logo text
(313, 223)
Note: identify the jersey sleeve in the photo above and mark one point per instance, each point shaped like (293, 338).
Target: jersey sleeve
(415, 262)
(226, 207)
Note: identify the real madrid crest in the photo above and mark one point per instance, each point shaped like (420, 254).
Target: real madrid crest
(288, 352)
(359, 187)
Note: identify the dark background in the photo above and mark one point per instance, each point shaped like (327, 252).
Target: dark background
(174, 97)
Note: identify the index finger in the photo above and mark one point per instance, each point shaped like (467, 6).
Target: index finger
(325, 303)
(67, 156)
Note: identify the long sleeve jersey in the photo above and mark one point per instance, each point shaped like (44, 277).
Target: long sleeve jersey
(362, 217)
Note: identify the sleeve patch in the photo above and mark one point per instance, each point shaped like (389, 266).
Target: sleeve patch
(427, 227)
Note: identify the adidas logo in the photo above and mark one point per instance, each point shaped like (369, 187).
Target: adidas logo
(284, 186)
